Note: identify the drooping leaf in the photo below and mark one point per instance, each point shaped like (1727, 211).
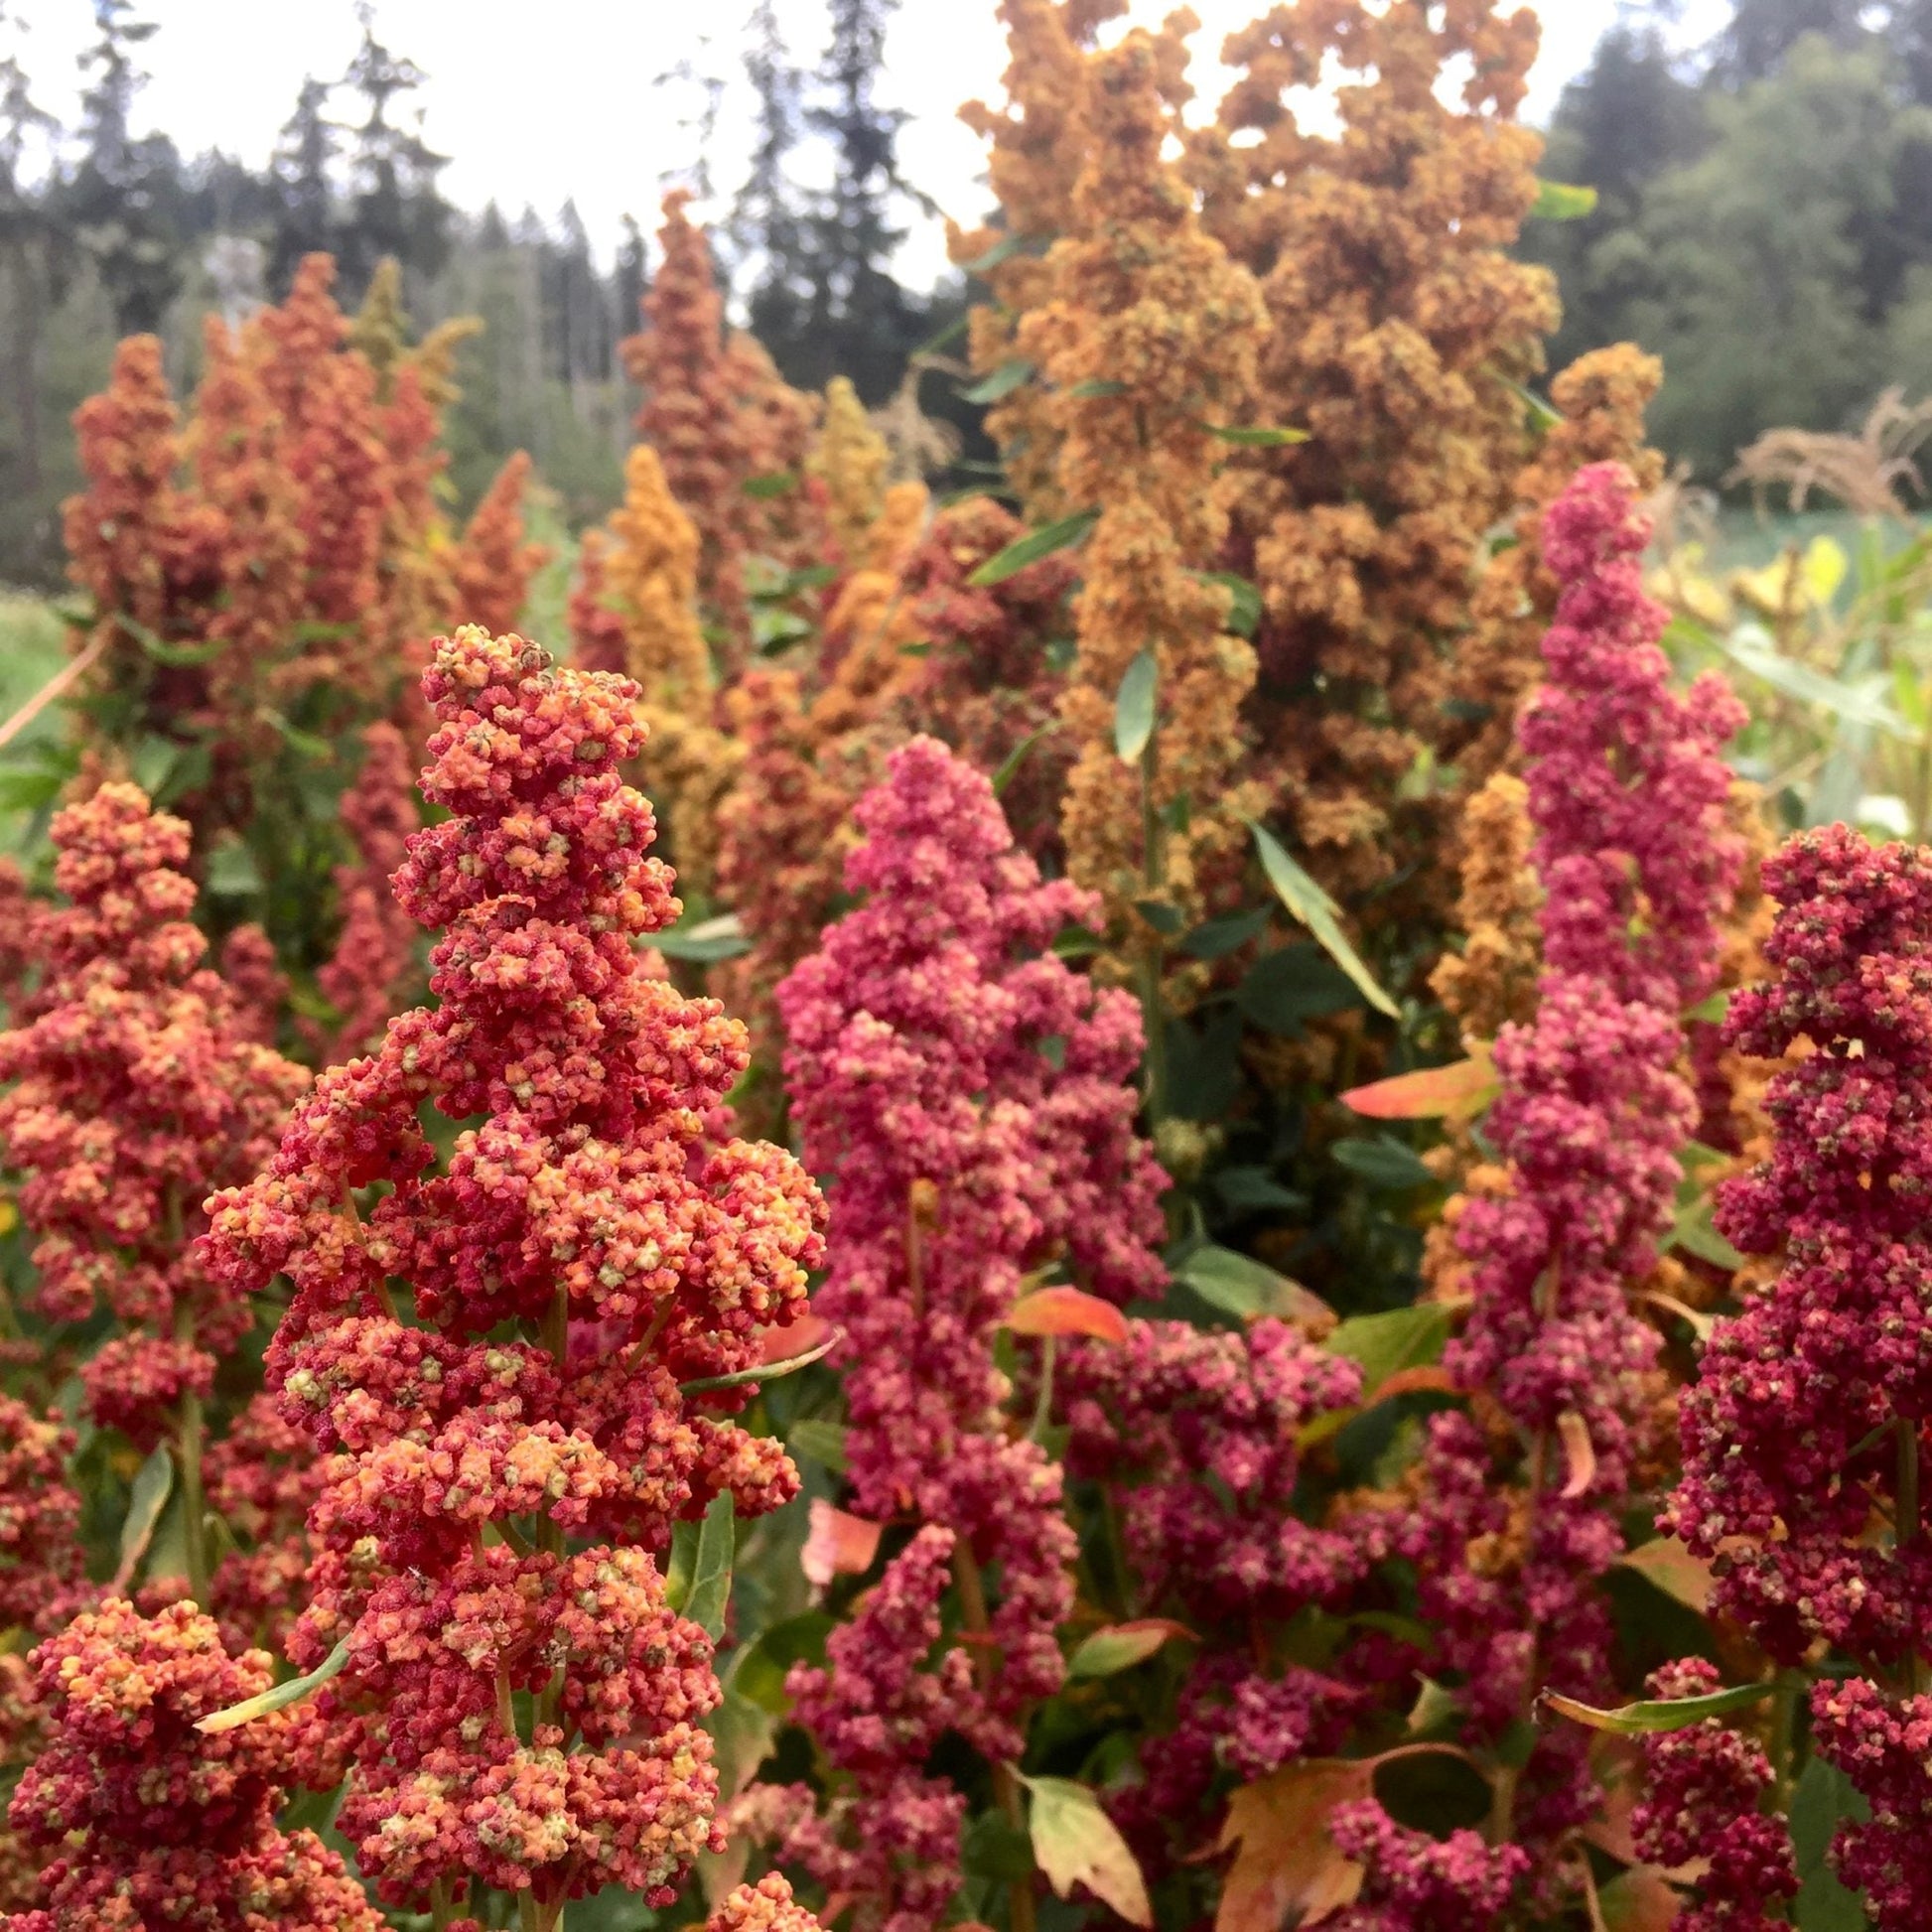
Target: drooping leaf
(838, 1545)
(1542, 418)
(1859, 703)
(1254, 436)
(1578, 1453)
(1658, 1713)
(280, 1697)
(1397, 1339)
(1560, 201)
(1096, 389)
(1003, 380)
(1016, 758)
(710, 1569)
(1287, 1870)
(1001, 250)
(774, 483)
(1458, 1091)
(1823, 1801)
(770, 1371)
(1062, 1310)
(1692, 1232)
(1076, 1844)
(180, 656)
(1135, 704)
(1031, 548)
(1308, 903)
(154, 1483)
(1120, 1646)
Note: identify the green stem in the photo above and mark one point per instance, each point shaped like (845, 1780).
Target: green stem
(1044, 1403)
(1006, 1787)
(190, 1425)
(1154, 873)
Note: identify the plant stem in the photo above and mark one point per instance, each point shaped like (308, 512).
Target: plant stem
(1908, 1527)
(1154, 873)
(190, 1424)
(1006, 1787)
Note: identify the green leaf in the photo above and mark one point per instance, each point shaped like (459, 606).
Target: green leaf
(705, 942)
(710, 1569)
(1383, 1162)
(1542, 417)
(1692, 1232)
(1386, 1343)
(232, 871)
(773, 483)
(154, 1482)
(163, 652)
(1218, 937)
(1134, 707)
(1244, 601)
(1093, 390)
(1239, 1285)
(1016, 758)
(1120, 1646)
(281, 1696)
(1077, 1843)
(742, 1734)
(823, 1442)
(766, 1371)
(1307, 903)
(1750, 648)
(1715, 1008)
(1254, 1191)
(1001, 250)
(1254, 436)
(1559, 200)
(1291, 985)
(1658, 1713)
(773, 630)
(1003, 380)
(297, 740)
(995, 1848)
(1031, 548)
(1164, 917)
(1823, 1801)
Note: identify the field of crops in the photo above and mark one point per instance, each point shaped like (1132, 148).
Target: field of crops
(1189, 1189)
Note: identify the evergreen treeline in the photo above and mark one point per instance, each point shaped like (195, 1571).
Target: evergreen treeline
(126, 234)
(1765, 220)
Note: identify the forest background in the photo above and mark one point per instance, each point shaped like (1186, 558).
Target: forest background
(1763, 222)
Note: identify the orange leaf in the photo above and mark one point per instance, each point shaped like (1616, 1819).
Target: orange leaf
(1287, 1870)
(1456, 1091)
(1406, 1381)
(1579, 1453)
(795, 1339)
(839, 1545)
(1066, 1311)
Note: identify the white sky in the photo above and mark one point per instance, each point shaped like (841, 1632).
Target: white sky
(537, 100)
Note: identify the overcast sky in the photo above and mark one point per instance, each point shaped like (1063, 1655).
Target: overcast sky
(540, 100)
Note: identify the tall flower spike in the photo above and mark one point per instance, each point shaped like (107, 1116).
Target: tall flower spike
(502, 1477)
(137, 1088)
(1635, 854)
(964, 1151)
(143, 1821)
(1808, 1416)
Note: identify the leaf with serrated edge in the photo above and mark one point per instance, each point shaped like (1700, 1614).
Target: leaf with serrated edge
(281, 1696)
(1075, 1843)
(1287, 1870)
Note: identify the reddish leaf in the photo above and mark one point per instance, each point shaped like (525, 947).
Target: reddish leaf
(839, 1545)
(1066, 1311)
(1407, 1381)
(1286, 1868)
(795, 1339)
(1456, 1091)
